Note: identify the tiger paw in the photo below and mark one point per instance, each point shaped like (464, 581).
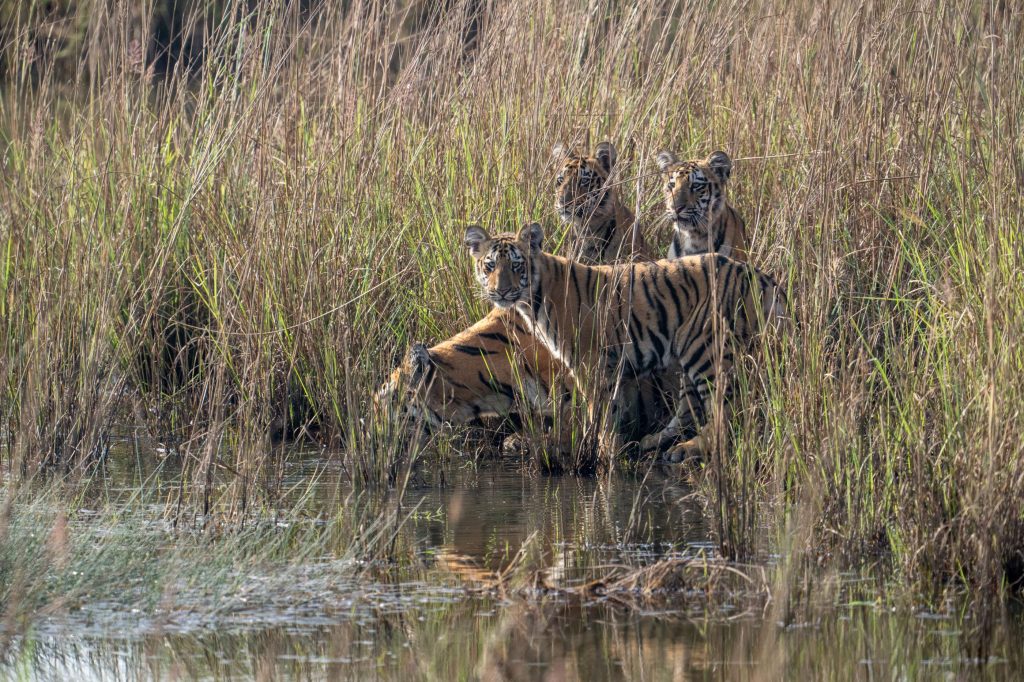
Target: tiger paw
(656, 443)
(690, 451)
(516, 445)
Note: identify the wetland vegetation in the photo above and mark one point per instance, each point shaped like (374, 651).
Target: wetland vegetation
(223, 223)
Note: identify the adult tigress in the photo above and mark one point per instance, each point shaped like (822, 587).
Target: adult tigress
(605, 323)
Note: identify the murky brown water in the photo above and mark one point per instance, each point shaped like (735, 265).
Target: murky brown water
(312, 623)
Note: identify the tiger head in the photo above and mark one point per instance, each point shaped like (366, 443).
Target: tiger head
(694, 190)
(501, 263)
(411, 388)
(583, 194)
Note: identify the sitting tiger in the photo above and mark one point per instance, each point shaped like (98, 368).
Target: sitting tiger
(496, 367)
(702, 219)
(601, 226)
(633, 320)
(703, 222)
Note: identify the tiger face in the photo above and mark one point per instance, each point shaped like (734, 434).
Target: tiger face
(694, 191)
(582, 191)
(502, 262)
(410, 387)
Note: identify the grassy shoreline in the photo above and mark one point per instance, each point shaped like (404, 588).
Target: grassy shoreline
(243, 246)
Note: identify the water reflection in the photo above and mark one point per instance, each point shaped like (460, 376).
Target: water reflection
(482, 522)
(518, 640)
(568, 525)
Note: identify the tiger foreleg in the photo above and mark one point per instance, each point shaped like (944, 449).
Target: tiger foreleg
(701, 445)
(707, 358)
(685, 423)
(714, 389)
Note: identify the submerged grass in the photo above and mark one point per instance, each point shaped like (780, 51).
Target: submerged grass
(112, 562)
(240, 251)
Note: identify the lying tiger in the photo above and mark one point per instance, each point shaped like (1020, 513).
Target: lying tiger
(607, 323)
(496, 367)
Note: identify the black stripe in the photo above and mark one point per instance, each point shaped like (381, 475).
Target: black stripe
(659, 347)
(671, 288)
(690, 288)
(634, 321)
(609, 232)
(575, 281)
(662, 318)
(719, 238)
(498, 386)
(637, 334)
(442, 362)
(647, 292)
(702, 369)
(538, 293)
(495, 336)
(472, 350)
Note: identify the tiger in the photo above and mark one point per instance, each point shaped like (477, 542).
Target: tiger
(702, 219)
(483, 371)
(600, 223)
(703, 222)
(628, 320)
(496, 367)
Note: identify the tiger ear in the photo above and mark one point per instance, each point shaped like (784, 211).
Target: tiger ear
(665, 160)
(605, 155)
(559, 153)
(417, 361)
(475, 239)
(720, 164)
(532, 234)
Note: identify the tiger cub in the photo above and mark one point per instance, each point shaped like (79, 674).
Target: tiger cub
(601, 226)
(632, 320)
(483, 371)
(702, 219)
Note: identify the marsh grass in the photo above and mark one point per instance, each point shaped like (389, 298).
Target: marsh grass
(241, 249)
(106, 559)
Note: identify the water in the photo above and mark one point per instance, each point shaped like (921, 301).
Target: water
(451, 620)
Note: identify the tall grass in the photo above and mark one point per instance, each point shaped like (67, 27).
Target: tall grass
(243, 247)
